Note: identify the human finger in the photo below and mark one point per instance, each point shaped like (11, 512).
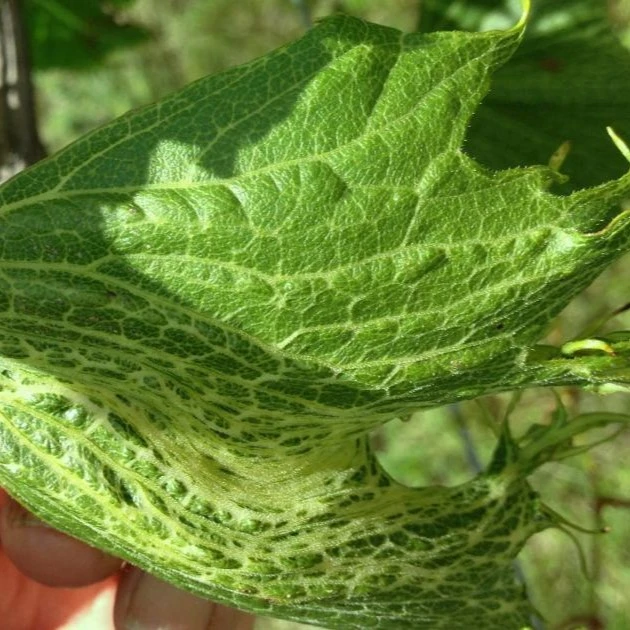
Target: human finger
(145, 602)
(49, 556)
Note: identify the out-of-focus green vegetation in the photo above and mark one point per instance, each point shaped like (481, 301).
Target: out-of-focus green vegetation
(188, 39)
(191, 38)
(78, 34)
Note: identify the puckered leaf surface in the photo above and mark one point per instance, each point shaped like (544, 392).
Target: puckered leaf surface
(209, 303)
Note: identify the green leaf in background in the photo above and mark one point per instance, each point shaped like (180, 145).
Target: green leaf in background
(77, 33)
(568, 81)
(208, 304)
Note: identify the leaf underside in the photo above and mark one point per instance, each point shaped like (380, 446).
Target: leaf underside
(207, 305)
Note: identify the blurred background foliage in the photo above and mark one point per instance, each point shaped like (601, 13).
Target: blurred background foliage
(161, 45)
(76, 33)
(96, 59)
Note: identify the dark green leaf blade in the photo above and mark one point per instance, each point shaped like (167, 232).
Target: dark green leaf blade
(568, 81)
(75, 33)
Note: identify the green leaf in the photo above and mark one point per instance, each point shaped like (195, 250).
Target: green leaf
(568, 81)
(208, 304)
(76, 33)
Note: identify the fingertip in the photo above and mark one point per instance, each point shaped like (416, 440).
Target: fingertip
(49, 556)
(145, 602)
(225, 618)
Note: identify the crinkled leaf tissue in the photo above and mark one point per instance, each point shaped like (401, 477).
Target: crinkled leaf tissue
(208, 304)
